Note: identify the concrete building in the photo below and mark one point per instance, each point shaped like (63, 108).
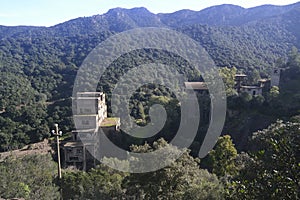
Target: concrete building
(252, 90)
(90, 116)
(262, 86)
(275, 77)
(239, 79)
(198, 86)
(202, 92)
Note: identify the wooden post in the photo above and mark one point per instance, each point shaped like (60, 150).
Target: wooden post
(58, 151)
(84, 157)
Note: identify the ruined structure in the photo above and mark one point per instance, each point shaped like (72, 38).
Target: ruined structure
(200, 87)
(239, 78)
(263, 86)
(202, 92)
(90, 116)
(252, 89)
(275, 77)
(260, 88)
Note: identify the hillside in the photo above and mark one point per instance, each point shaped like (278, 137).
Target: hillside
(38, 64)
(40, 148)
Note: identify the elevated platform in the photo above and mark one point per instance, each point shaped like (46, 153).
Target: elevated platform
(196, 85)
(111, 121)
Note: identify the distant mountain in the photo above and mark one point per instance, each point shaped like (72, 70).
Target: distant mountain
(115, 20)
(232, 35)
(217, 15)
(119, 19)
(224, 15)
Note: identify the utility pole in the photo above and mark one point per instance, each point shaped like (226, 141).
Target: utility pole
(57, 134)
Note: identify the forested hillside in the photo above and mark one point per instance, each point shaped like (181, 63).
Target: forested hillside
(38, 64)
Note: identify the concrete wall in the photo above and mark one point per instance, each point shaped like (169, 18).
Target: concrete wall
(252, 91)
(86, 106)
(275, 77)
(86, 121)
(74, 154)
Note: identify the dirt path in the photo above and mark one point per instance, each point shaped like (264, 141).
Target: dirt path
(40, 148)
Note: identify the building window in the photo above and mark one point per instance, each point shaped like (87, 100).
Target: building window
(75, 136)
(78, 151)
(74, 158)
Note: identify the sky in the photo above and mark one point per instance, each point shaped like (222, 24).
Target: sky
(52, 12)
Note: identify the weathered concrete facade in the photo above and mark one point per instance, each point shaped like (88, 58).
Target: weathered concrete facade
(90, 117)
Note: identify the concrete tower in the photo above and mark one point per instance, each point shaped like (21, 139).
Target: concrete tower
(275, 77)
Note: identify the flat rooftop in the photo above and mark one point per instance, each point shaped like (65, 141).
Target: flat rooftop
(89, 94)
(251, 87)
(86, 115)
(87, 97)
(84, 131)
(240, 75)
(77, 144)
(73, 144)
(111, 121)
(263, 80)
(196, 85)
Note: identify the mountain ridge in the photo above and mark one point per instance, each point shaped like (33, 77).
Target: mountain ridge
(219, 8)
(121, 19)
(144, 10)
(256, 33)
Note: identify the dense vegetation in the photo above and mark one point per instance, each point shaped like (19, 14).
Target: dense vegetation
(38, 64)
(37, 70)
(31, 177)
(270, 171)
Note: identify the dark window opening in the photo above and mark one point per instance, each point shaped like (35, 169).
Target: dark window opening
(74, 158)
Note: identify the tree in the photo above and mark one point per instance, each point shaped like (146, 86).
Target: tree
(257, 101)
(30, 177)
(294, 59)
(274, 92)
(228, 76)
(141, 112)
(183, 179)
(100, 183)
(253, 77)
(273, 172)
(221, 160)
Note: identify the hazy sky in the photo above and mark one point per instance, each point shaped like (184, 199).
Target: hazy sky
(51, 12)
